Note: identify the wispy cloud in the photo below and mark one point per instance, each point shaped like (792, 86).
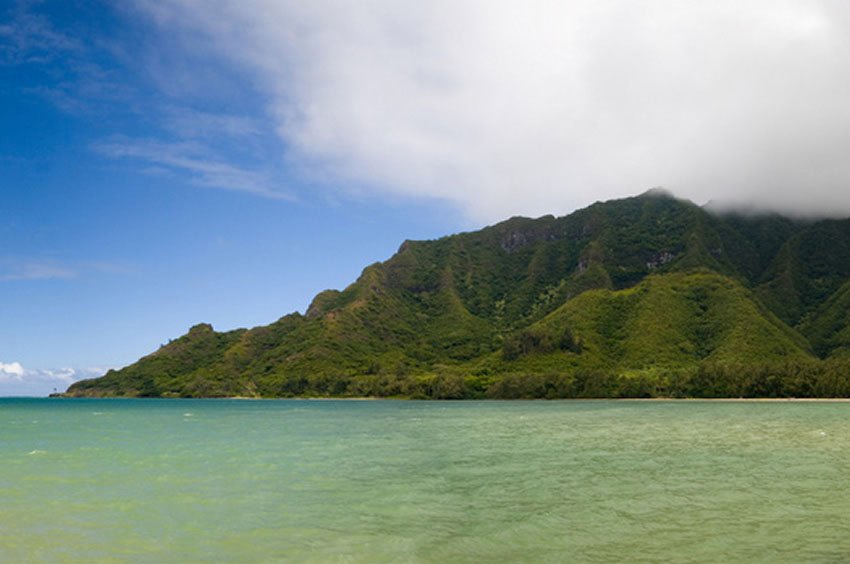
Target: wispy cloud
(72, 80)
(36, 270)
(29, 38)
(188, 123)
(130, 78)
(12, 269)
(190, 159)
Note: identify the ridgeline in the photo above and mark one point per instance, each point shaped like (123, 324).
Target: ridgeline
(642, 297)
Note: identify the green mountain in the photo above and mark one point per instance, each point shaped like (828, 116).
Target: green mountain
(646, 296)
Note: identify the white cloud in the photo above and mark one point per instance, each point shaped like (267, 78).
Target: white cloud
(16, 380)
(535, 107)
(12, 370)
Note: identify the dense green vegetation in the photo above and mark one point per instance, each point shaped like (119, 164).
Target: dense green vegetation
(643, 297)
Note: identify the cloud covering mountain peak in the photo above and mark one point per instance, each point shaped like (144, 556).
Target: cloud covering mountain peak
(528, 108)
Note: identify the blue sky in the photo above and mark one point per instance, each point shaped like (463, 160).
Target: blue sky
(169, 162)
(134, 209)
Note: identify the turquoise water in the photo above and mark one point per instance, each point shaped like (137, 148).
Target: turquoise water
(385, 481)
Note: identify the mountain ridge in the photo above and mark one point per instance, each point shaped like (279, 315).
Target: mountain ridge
(639, 296)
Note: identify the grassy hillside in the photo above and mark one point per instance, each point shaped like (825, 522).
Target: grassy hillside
(643, 296)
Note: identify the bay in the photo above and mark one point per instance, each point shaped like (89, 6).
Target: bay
(406, 481)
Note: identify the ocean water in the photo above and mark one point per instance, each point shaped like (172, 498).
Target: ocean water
(395, 481)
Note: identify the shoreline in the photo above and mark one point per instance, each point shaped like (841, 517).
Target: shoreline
(370, 398)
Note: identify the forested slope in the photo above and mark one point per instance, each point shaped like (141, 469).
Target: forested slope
(644, 296)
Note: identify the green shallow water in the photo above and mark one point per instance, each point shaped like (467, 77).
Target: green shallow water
(386, 481)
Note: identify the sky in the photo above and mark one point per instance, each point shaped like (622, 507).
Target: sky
(170, 162)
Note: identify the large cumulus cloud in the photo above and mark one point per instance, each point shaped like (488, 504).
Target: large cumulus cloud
(507, 107)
